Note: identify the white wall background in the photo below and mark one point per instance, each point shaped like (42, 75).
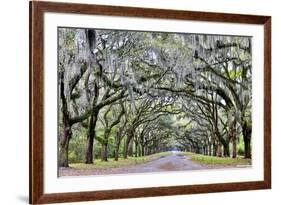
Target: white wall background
(14, 101)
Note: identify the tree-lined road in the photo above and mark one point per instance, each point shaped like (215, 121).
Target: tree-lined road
(173, 162)
(127, 95)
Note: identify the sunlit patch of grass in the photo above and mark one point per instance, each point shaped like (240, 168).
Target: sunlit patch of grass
(211, 160)
(111, 163)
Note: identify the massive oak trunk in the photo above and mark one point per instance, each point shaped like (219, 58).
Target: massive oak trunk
(219, 151)
(142, 150)
(64, 141)
(136, 148)
(226, 152)
(118, 140)
(247, 147)
(105, 152)
(223, 142)
(116, 152)
(139, 148)
(130, 136)
(63, 146)
(90, 137)
(234, 147)
(92, 126)
(209, 149)
(232, 137)
(234, 141)
(215, 147)
(126, 148)
(105, 146)
(131, 149)
(247, 132)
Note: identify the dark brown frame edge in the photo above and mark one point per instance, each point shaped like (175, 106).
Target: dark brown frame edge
(37, 9)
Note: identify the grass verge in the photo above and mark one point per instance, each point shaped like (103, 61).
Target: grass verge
(98, 164)
(211, 160)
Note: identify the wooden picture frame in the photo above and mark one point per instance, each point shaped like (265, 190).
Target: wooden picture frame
(36, 190)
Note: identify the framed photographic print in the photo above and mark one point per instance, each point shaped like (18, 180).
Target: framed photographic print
(136, 102)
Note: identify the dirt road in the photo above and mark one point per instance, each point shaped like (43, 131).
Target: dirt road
(173, 162)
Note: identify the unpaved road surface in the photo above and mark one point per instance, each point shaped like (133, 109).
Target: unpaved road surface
(173, 162)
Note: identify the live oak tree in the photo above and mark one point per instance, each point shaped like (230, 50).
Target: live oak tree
(108, 126)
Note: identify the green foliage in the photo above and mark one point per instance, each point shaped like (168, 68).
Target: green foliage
(77, 147)
(235, 74)
(73, 158)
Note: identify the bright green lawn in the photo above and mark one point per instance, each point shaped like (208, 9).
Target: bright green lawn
(204, 159)
(98, 164)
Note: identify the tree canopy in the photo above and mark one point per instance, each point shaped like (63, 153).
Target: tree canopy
(125, 93)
